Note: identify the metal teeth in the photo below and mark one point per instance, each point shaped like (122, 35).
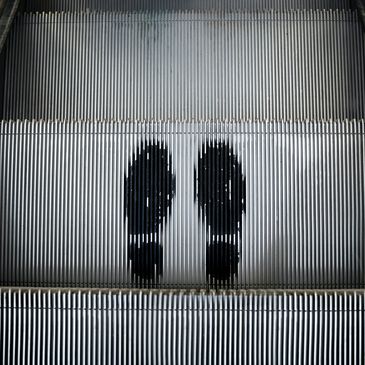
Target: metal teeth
(167, 328)
(160, 5)
(184, 204)
(186, 65)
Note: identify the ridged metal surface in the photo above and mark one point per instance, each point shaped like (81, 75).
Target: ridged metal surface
(138, 5)
(170, 328)
(186, 204)
(184, 65)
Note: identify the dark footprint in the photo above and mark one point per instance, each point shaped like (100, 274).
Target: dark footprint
(222, 260)
(220, 191)
(146, 260)
(149, 190)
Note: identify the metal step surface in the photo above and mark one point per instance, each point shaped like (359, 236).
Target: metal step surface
(160, 5)
(73, 327)
(183, 204)
(186, 65)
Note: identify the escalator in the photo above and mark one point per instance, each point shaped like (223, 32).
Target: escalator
(183, 182)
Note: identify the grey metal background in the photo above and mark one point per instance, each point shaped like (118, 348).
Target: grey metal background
(186, 65)
(94, 327)
(62, 216)
(137, 5)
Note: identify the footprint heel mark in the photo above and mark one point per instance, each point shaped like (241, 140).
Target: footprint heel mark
(149, 191)
(146, 260)
(222, 259)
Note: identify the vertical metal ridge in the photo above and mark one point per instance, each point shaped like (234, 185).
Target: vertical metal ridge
(186, 65)
(158, 5)
(235, 204)
(315, 327)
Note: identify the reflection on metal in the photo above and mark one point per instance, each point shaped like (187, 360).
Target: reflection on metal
(294, 190)
(92, 327)
(7, 12)
(186, 65)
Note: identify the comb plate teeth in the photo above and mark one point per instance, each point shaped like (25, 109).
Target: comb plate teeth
(163, 326)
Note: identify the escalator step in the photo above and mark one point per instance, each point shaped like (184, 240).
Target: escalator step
(182, 204)
(186, 65)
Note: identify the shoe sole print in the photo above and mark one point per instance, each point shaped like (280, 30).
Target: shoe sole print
(220, 192)
(149, 193)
